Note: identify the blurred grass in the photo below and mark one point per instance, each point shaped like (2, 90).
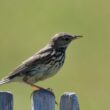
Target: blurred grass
(26, 26)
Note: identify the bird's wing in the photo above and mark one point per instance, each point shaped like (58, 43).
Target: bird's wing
(27, 65)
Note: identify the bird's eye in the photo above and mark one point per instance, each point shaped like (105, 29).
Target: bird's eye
(67, 39)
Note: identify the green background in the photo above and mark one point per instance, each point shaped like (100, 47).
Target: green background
(27, 25)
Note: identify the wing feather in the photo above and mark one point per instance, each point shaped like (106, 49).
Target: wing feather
(30, 63)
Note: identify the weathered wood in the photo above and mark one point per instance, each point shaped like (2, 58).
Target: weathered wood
(43, 100)
(69, 101)
(6, 101)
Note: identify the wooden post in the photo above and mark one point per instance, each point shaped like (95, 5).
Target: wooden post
(69, 101)
(43, 100)
(6, 101)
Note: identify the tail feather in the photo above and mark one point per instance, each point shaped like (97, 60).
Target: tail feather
(4, 81)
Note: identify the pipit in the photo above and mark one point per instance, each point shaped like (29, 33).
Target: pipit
(43, 64)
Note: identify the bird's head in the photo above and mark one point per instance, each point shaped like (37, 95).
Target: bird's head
(62, 40)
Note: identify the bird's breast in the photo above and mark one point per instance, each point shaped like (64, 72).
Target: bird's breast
(54, 65)
(48, 68)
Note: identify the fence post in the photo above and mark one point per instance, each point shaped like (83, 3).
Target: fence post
(43, 100)
(69, 101)
(6, 101)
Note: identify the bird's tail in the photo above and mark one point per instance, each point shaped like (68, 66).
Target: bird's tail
(3, 81)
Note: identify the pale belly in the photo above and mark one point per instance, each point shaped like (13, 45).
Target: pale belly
(43, 72)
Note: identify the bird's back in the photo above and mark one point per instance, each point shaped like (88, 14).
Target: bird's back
(40, 66)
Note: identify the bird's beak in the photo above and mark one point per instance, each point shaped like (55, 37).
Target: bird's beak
(76, 37)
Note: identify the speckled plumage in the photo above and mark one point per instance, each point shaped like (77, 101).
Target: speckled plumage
(44, 63)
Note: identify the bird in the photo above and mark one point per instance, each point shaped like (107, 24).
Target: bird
(44, 63)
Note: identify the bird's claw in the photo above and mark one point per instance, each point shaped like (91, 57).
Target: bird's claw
(51, 90)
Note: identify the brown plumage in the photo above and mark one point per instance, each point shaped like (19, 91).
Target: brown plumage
(42, 64)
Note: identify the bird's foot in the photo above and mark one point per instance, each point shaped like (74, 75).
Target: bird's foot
(37, 88)
(50, 90)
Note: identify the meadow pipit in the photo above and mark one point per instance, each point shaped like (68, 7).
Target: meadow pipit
(43, 64)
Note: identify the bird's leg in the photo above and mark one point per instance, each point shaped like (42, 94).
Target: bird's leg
(35, 87)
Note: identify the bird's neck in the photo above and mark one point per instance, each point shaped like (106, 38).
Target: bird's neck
(63, 49)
